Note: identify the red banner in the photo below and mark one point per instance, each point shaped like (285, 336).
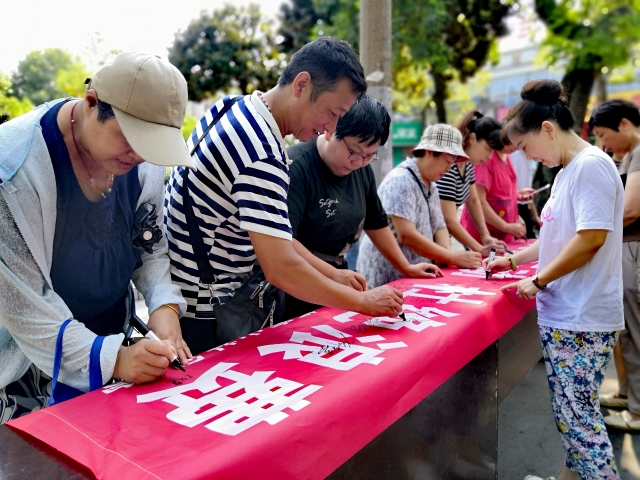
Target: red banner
(293, 401)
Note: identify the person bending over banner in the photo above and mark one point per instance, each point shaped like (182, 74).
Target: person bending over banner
(332, 199)
(617, 124)
(578, 284)
(480, 136)
(410, 197)
(78, 205)
(239, 193)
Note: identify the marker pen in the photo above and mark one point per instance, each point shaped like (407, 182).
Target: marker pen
(142, 328)
(492, 254)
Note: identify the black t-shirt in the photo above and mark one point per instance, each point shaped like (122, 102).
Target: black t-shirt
(328, 212)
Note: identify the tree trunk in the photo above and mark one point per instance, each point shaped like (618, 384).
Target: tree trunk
(440, 95)
(601, 88)
(578, 85)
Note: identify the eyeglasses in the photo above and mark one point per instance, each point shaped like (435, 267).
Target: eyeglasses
(356, 157)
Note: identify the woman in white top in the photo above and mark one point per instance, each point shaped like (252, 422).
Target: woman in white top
(578, 285)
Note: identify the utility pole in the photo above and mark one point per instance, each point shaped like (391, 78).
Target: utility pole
(375, 56)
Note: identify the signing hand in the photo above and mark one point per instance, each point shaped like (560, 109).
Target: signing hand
(422, 270)
(383, 301)
(166, 325)
(467, 259)
(499, 264)
(350, 279)
(143, 362)
(492, 242)
(525, 288)
(517, 229)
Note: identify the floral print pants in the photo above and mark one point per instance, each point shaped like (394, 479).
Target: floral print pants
(575, 363)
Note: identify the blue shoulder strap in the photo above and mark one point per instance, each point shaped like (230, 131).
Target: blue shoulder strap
(61, 392)
(95, 372)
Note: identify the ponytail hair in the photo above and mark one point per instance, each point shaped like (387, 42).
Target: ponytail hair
(542, 100)
(485, 128)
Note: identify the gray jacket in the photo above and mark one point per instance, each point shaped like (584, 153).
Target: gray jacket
(31, 313)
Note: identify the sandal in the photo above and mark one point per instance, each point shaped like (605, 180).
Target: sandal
(613, 400)
(622, 421)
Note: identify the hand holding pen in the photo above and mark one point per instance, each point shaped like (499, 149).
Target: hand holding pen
(497, 264)
(143, 329)
(492, 256)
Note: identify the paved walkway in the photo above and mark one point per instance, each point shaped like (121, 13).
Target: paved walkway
(529, 442)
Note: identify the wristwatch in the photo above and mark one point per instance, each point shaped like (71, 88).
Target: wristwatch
(534, 280)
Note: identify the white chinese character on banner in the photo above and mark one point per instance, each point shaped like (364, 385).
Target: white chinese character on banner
(454, 293)
(236, 407)
(116, 386)
(341, 354)
(480, 273)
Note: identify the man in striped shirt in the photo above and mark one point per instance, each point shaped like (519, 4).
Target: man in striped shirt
(239, 192)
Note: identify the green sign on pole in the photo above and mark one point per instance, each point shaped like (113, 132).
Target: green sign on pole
(407, 133)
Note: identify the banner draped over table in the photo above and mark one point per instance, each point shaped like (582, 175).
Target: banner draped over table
(294, 401)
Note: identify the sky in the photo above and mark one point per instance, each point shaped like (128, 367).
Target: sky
(146, 26)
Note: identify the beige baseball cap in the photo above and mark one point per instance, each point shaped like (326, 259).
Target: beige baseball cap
(442, 138)
(149, 99)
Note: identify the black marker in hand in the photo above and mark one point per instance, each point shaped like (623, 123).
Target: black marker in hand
(142, 328)
(492, 254)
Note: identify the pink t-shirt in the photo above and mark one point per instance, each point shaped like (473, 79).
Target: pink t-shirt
(499, 179)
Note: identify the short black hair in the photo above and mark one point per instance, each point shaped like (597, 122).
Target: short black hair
(367, 120)
(609, 114)
(328, 60)
(485, 128)
(423, 153)
(542, 100)
(105, 111)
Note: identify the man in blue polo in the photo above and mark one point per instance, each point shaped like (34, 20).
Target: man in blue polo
(239, 192)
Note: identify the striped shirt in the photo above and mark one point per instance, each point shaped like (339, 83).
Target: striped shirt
(240, 185)
(454, 187)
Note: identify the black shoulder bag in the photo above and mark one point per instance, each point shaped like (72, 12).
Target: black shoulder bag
(257, 303)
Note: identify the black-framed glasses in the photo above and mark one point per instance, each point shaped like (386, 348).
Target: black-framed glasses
(356, 157)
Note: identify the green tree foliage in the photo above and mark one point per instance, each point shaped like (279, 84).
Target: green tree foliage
(590, 37)
(10, 106)
(231, 47)
(297, 20)
(188, 125)
(449, 39)
(454, 38)
(71, 82)
(36, 75)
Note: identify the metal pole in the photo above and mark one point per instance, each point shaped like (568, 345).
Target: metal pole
(375, 56)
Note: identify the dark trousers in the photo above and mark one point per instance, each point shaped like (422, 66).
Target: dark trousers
(525, 213)
(200, 335)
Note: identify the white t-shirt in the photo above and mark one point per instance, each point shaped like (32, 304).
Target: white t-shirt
(586, 195)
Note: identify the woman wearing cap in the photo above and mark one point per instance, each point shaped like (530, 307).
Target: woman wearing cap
(78, 206)
(410, 198)
(578, 284)
(480, 137)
